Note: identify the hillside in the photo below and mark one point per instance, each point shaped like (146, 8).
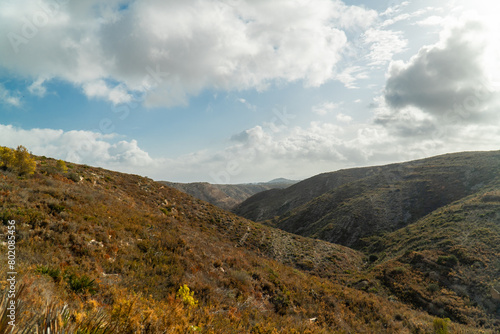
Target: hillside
(115, 248)
(227, 196)
(448, 261)
(349, 205)
(276, 202)
(108, 252)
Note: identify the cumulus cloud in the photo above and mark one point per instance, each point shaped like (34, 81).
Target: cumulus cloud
(174, 49)
(450, 78)
(299, 152)
(440, 99)
(82, 147)
(260, 153)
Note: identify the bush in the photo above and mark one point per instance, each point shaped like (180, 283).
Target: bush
(398, 271)
(186, 296)
(61, 166)
(55, 207)
(74, 177)
(19, 160)
(441, 325)
(55, 273)
(281, 302)
(81, 284)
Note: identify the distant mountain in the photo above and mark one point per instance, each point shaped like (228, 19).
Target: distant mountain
(281, 180)
(348, 205)
(227, 196)
(276, 202)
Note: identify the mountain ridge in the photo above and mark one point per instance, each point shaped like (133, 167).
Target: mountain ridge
(384, 198)
(227, 196)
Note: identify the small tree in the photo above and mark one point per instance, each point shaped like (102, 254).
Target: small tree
(441, 325)
(25, 164)
(6, 157)
(61, 166)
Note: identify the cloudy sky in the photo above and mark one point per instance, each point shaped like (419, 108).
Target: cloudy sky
(230, 91)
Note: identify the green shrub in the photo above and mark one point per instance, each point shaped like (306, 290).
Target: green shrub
(61, 166)
(281, 302)
(186, 296)
(441, 325)
(55, 207)
(398, 271)
(81, 284)
(55, 273)
(74, 177)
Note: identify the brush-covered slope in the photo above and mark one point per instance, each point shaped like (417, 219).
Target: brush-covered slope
(448, 262)
(227, 196)
(276, 202)
(116, 248)
(386, 198)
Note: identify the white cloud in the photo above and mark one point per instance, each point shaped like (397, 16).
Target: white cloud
(405, 17)
(351, 75)
(394, 9)
(10, 98)
(261, 152)
(247, 104)
(431, 21)
(452, 75)
(230, 45)
(37, 88)
(100, 89)
(325, 108)
(83, 147)
(344, 118)
(444, 99)
(383, 45)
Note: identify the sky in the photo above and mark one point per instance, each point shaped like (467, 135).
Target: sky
(235, 91)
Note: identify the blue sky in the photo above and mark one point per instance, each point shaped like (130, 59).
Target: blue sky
(247, 91)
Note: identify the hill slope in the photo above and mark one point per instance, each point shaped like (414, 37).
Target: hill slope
(276, 202)
(349, 205)
(450, 258)
(227, 196)
(117, 247)
(129, 255)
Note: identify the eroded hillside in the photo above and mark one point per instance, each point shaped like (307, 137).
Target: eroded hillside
(374, 201)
